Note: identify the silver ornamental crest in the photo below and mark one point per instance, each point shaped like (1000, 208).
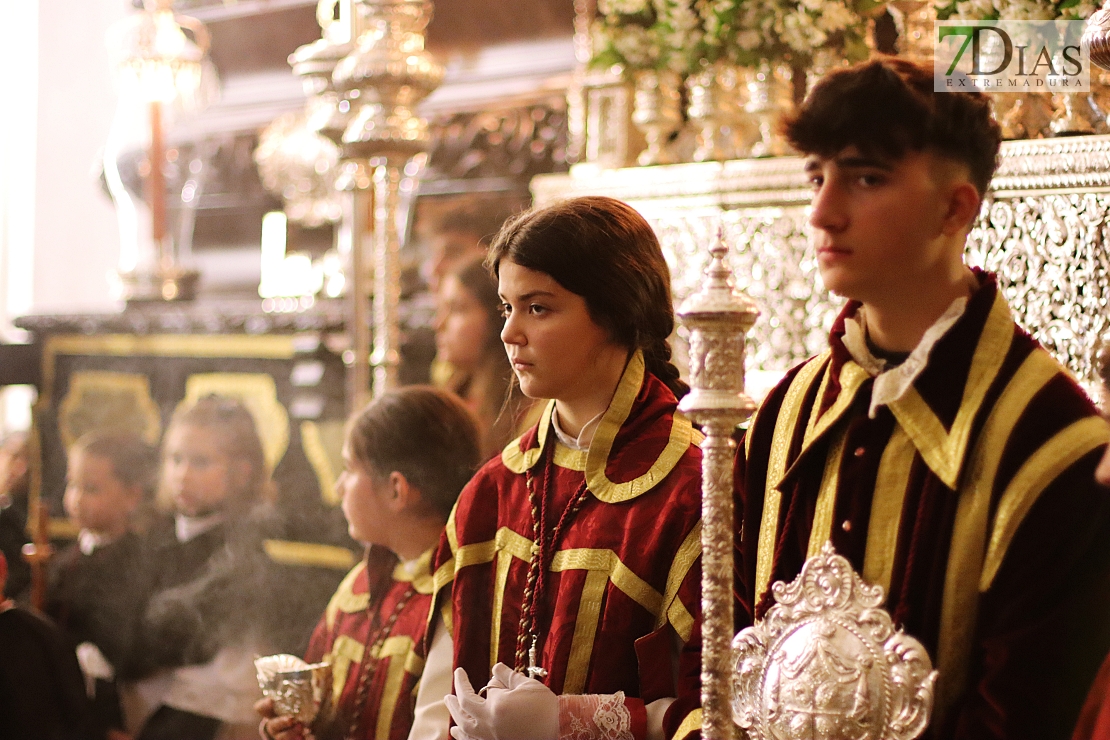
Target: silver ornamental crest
(827, 664)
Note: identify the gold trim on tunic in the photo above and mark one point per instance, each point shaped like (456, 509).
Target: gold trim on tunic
(420, 575)
(785, 423)
(887, 502)
(345, 599)
(681, 437)
(823, 515)
(688, 554)
(507, 545)
(945, 451)
(959, 605)
(1052, 459)
(398, 646)
(691, 723)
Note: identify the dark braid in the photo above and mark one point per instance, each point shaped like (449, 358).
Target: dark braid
(657, 359)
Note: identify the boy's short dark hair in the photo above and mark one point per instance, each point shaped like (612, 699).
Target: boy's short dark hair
(886, 107)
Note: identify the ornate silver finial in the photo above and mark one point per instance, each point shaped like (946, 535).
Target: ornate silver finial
(718, 318)
(826, 662)
(1096, 37)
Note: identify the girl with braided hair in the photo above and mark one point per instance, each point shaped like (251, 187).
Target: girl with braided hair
(572, 559)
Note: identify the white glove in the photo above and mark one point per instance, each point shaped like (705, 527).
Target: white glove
(93, 665)
(515, 708)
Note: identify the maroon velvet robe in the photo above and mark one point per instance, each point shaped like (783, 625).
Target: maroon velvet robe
(374, 586)
(625, 577)
(971, 500)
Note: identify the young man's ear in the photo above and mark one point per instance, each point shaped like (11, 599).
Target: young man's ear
(963, 207)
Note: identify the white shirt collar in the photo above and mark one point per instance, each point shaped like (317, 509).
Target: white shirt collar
(892, 383)
(89, 541)
(190, 527)
(585, 436)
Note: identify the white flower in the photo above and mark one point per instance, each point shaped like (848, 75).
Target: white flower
(749, 39)
(636, 46)
(622, 7)
(836, 17)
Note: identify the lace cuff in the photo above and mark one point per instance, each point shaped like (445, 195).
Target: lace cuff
(594, 716)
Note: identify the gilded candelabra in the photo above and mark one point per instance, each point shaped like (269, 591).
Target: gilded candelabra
(718, 318)
(328, 112)
(383, 79)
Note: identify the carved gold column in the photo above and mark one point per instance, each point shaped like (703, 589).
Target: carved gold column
(718, 318)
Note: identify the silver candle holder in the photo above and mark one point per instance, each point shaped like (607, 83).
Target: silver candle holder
(718, 318)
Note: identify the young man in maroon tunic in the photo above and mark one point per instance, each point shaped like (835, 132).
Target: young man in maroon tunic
(938, 447)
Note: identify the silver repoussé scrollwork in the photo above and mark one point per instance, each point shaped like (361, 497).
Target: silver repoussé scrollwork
(826, 663)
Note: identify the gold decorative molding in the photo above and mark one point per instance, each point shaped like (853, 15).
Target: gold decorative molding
(103, 400)
(323, 446)
(271, 347)
(290, 552)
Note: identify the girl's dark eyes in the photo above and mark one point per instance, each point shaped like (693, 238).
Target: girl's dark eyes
(533, 308)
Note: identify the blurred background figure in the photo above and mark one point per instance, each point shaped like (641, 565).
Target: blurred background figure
(95, 592)
(42, 693)
(217, 600)
(468, 340)
(14, 486)
(461, 236)
(450, 239)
